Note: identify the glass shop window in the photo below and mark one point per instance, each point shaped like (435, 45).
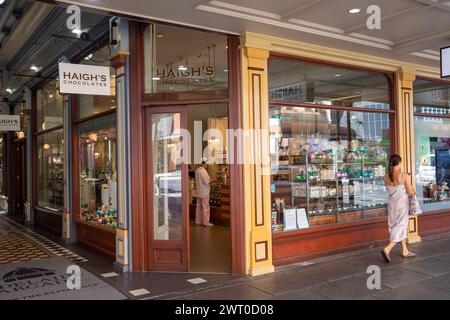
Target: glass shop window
(50, 170)
(98, 172)
(49, 111)
(183, 60)
(432, 144)
(312, 83)
(327, 162)
(90, 105)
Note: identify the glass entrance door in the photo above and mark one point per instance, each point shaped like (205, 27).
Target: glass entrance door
(167, 189)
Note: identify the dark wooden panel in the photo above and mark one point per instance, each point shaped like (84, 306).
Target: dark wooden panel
(167, 256)
(296, 246)
(100, 239)
(434, 223)
(49, 220)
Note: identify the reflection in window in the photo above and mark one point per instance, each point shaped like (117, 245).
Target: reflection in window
(327, 163)
(432, 161)
(50, 172)
(432, 141)
(49, 109)
(167, 184)
(98, 172)
(297, 81)
(183, 60)
(90, 105)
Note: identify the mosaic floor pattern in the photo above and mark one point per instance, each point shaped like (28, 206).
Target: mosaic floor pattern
(18, 243)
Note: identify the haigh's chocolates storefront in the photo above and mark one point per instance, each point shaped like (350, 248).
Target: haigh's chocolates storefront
(116, 172)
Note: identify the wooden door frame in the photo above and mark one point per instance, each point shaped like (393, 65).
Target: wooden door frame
(151, 244)
(137, 152)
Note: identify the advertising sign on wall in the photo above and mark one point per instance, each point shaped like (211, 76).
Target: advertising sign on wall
(84, 79)
(9, 123)
(445, 62)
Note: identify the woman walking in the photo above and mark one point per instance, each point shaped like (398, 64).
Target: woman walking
(399, 189)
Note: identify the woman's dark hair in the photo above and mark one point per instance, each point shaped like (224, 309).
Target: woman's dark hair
(394, 161)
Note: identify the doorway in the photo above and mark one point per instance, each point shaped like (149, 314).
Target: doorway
(177, 138)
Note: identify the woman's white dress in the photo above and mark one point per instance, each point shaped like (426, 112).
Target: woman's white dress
(398, 212)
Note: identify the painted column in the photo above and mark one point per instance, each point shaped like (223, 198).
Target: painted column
(119, 61)
(29, 215)
(257, 161)
(68, 225)
(405, 135)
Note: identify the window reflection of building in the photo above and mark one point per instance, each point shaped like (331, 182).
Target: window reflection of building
(432, 140)
(327, 161)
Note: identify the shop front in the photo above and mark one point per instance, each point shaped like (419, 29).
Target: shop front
(332, 120)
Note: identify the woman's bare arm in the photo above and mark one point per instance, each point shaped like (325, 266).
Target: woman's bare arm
(409, 189)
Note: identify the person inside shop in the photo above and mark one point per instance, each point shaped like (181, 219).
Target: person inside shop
(202, 190)
(398, 185)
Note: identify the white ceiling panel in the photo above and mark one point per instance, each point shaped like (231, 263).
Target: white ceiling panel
(321, 22)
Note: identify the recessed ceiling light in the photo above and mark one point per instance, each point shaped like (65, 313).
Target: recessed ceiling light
(337, 75)
(355, 10)
(225, 70)
(160, 36)
(156, 78)
(182, 68)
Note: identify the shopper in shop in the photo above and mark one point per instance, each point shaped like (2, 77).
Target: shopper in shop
(398, 185)
(202, 189)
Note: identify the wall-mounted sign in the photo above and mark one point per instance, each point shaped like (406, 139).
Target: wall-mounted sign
(9, 123)
(84, 79)
(445, 62)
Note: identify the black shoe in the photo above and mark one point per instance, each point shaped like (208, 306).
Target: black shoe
(385, 256)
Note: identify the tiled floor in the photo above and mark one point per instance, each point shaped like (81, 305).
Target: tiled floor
(149, 285)
(339, 277)
(425, 277)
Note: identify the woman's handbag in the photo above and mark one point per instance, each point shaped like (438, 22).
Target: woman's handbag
(414, 206)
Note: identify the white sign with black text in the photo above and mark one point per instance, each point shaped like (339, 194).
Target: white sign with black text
(9, 123)
(84, 79)
(445, 62)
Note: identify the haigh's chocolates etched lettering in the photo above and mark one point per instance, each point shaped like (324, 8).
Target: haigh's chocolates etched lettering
(176, 76)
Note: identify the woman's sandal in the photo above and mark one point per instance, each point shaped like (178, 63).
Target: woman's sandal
(409, 255)
(385, 256)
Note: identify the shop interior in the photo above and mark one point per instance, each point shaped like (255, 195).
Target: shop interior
(210, 247)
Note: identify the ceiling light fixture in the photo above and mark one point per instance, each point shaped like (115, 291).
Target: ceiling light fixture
(160, 36)
(337, 75)
(88, 57)
(355, 10)
(156, 78)
(77, 31)
(35, 68)
(182, 68)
